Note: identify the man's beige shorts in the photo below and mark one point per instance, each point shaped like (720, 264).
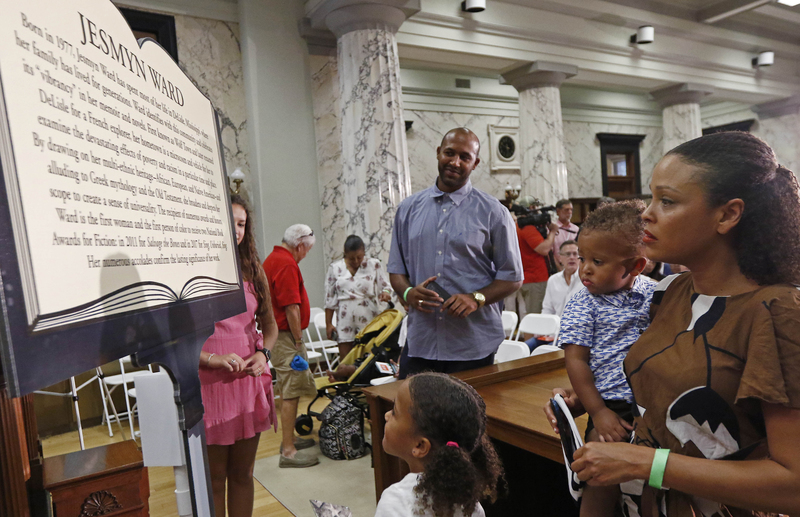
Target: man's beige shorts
(291, 383)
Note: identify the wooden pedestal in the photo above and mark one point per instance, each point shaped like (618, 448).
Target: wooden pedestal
(110, 481)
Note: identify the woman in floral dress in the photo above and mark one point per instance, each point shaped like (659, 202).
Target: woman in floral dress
(354, 287)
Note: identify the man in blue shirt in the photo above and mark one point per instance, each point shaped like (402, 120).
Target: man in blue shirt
(466, 241)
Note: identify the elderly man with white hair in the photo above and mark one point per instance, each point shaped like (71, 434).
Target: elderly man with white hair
(292, 312)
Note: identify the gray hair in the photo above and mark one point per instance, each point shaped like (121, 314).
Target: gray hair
(298, 234)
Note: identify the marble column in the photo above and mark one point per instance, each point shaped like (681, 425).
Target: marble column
(779, 126)
(374, 176)
(543, 167)
(680, 104)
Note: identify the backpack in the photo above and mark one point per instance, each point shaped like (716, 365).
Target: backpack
(341, 435)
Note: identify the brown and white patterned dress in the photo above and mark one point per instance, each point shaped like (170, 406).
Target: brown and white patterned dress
(700, 373)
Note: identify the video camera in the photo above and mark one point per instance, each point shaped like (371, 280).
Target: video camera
(537, 217)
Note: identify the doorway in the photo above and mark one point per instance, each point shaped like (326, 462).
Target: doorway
(619, 156)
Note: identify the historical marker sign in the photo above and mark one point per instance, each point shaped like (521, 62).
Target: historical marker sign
(116, 233)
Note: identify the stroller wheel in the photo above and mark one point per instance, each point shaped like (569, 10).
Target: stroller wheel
(303, 425)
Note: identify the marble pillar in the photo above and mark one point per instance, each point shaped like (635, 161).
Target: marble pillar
(680, 104)
(327, 130)
(374, 175)
(543, 167)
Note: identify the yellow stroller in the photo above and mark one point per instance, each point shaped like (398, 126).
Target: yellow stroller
(377, 342)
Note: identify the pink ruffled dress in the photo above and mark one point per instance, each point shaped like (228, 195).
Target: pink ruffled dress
(237, 406)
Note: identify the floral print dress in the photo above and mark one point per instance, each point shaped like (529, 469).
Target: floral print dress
(354, 297)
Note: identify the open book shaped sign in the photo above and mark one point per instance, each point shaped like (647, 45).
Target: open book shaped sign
(115, 226)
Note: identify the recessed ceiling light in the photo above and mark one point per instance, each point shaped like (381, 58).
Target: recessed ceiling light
(790, 3)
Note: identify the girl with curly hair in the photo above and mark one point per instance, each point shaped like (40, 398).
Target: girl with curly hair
(438, 426)
(236, 382)
(716, 376)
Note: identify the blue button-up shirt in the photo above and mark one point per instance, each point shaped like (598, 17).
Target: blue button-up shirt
(467, 239)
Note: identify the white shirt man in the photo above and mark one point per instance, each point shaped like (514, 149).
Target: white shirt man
(562, 285)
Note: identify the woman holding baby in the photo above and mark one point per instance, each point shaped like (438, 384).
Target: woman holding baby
(716, 376)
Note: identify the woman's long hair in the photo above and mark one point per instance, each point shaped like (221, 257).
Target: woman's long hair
(251, 266)
(735, 164)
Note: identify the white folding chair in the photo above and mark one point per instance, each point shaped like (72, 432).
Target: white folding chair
(544, 349)
(73, 394)
(327, 348)
(109, 383)
(539, 324)
(511, 350)
(318, 310)
(510, 320)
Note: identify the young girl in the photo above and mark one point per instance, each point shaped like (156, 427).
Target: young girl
(236, 384)
(438, 426)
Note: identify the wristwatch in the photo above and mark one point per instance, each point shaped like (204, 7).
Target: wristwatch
(479, 298)
(266, 353)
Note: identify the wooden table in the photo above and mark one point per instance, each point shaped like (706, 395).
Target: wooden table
(515, 393)
(109, 480)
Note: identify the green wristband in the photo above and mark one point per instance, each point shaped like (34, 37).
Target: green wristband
(406, 293)
(658, 468)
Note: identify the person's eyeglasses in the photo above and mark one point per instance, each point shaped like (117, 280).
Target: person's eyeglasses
(309, 235)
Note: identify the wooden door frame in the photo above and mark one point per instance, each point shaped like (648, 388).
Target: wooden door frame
(614, 143)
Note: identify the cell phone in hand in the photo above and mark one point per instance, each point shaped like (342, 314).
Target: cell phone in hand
(334, 335)
(439, 290)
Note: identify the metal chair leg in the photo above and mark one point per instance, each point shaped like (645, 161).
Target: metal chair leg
(116, 415)
(77, 411)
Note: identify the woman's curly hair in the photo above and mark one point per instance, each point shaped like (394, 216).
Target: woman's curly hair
(445, 409)
(251, 267)
(735, 164)
(621, 218)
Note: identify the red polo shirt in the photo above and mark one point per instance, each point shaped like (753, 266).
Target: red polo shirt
(534, 265)
(286, 287)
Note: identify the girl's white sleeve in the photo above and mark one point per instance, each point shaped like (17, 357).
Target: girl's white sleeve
(393, 504)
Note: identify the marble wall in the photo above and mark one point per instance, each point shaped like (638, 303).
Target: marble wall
(426, 134)
(782, 134)
(581, 145)
(584, 170)
(779, 132)
(210, 53)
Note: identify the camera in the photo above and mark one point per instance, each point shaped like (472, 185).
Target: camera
(537, 217)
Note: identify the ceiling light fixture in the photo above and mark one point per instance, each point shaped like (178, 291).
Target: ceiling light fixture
(765, 58)
(790, 3)
(473, 6)
(644, 34)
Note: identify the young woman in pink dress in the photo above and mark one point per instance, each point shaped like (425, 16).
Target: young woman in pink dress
(236, 381)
